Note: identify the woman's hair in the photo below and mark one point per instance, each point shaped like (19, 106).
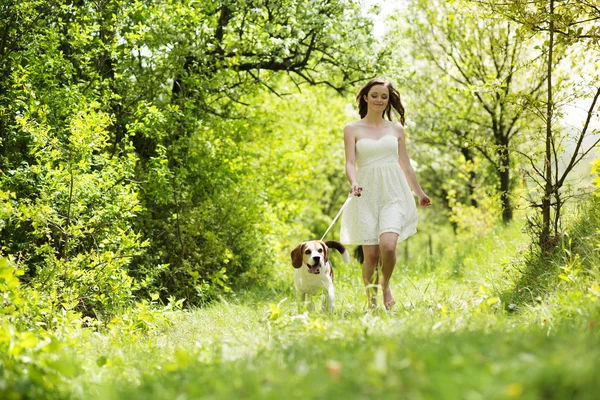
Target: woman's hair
(394, 99)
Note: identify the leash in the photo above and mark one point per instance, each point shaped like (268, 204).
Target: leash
(338, 214)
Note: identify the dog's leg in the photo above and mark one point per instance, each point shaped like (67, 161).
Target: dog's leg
(329, 298)
(301, 301)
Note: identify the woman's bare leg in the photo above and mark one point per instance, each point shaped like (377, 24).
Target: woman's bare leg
(387, 245)
(370, 277)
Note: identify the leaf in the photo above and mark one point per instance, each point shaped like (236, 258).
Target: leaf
(492, 300)
(443, 308)
(274, 311)
(100, 361)
(483, 290)
(65, 366)
(565, 278)
(182, 356)
(514, 390)
(28, 340)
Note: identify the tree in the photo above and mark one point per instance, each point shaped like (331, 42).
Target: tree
(479, 80)
(573, 20)
(174, 84)
(219, 56)
(566, 24)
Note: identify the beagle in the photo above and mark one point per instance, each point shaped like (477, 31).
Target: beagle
(314, 271)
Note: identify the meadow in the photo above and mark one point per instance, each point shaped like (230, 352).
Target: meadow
(484, 319)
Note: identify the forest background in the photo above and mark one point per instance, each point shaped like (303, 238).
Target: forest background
(172, 153)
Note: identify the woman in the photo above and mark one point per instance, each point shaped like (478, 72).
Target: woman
(378, 168)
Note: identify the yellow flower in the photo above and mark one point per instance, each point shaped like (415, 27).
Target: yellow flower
(514, 390)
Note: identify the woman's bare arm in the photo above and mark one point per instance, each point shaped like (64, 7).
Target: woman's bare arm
(350, 149)
(409, 172)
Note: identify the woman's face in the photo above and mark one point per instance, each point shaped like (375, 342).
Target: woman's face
(378, 97)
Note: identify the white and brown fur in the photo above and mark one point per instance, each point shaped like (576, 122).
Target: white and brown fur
(314, 271)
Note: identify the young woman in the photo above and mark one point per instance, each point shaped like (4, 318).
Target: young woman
(378, 168)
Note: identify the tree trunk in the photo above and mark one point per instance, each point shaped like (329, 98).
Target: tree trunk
(504, 175)
(106, 68)
(507, 211)
(548, 189)
(468, 155)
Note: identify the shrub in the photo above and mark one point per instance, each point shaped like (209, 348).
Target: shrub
(67, 213)
(34, 334)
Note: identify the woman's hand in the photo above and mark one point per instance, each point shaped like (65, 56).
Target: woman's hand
(355, 189)
(424, 201)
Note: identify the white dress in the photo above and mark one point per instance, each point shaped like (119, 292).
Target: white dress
(386, 203)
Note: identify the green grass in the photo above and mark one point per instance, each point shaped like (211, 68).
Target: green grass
(463, 328)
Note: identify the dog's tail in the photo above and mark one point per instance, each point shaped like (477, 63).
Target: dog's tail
(333, 244)
(359, 254)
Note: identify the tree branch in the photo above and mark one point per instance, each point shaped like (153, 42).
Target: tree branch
(582, 134)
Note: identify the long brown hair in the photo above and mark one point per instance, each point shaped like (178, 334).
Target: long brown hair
(394, 99)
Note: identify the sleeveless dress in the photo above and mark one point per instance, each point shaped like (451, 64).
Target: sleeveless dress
(386, 203)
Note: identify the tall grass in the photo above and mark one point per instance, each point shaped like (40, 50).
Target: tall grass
(488, 317)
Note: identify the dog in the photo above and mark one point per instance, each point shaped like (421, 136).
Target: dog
(314, 271)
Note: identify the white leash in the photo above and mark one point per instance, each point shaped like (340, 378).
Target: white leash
(338, 214)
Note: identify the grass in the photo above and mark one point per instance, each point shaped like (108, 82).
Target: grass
(453, 335)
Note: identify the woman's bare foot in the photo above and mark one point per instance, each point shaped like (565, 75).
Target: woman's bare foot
(388, 299)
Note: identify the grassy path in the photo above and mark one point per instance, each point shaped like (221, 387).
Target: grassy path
(449, 337)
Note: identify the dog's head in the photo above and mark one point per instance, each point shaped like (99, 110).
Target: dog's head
(314, 254)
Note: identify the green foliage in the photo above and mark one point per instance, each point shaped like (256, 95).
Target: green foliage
(35, 329)
(77, 211)
(301, 163)
(596, 170)
(41, 334)
(473, 219)
(567, 277)
(245, 193)
(69, 190)
(209, 159)
(564, 30)
(573, 20)
(127, 160)
(208, 209)
(469, 79)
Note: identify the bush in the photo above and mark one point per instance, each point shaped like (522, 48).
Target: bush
(203, 210)
(564, 280)
(34, 333)
(67, 213)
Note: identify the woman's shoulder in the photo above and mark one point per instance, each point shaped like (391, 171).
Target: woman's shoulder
(353, 125)
(398, 129)
(397, 125)
(351, 128)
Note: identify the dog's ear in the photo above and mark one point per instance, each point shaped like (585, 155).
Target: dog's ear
(325, 251)
(298, 255)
